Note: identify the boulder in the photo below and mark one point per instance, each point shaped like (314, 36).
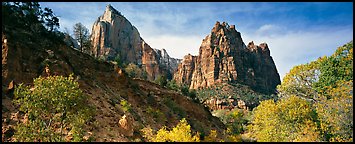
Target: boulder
(126, 124)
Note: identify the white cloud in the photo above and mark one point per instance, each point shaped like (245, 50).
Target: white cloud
(270, 30)
(294, 48)
(176, 46)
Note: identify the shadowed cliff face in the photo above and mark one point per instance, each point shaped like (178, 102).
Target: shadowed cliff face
(224, 58)
(113, 35)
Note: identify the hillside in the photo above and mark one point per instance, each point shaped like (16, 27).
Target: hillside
(25, 55)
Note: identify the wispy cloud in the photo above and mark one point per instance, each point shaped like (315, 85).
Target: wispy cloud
(176, 46)
(299, 47)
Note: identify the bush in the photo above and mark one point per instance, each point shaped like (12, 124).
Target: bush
(126, 107)
(55, 102)
(212, 137)
(134, 71)
(161, 80)
(234, 119)
(192, 95)
(184, 90)
(157, 114)
(172, 85)
(175, 107)
(180, 133)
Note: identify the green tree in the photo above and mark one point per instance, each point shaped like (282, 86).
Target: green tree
(332, 88)
(173, 85)
(184, 90)
(118, 60)
(29, 15)
(81, 34)
(49, 19)
(54, 103)
(235, 120)
(337, 67)
(335, 85)
(134, 71)
(161, 80)
(193, 95)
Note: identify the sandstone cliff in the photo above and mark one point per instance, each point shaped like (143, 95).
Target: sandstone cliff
(185, 70)
(224, 58)
(113, 35)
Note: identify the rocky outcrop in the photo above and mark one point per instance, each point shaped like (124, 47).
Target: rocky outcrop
(126, 124)
(224, 58)
(185, 69)
(167, 62)
(219, 103)
(114, 36)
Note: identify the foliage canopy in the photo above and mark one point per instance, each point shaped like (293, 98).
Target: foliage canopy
(54, 102)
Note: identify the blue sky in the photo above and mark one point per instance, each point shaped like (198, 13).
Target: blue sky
(296, 32)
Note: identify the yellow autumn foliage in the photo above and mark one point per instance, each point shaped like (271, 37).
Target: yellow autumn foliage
(336, 114)
(180, 133)
(290, 119)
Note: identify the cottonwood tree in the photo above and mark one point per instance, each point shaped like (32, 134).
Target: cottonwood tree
(290, 119)
(328, 82)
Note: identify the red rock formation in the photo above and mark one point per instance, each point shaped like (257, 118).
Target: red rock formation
(113, 35)
(223, 57)
(185, 69)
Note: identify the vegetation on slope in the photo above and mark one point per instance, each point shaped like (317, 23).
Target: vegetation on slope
(316, 102)
(121, 103)
(54, 107)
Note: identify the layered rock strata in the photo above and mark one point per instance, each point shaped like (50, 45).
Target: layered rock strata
(114, 36)
(224, 58)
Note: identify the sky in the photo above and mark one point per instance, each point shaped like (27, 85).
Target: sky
(296, 32)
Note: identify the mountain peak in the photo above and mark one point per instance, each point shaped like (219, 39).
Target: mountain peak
(113, 35)
(223, 59)
(110, 9)
(224, 26)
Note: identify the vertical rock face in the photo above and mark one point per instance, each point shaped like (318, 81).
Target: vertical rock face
(185, 70)
(224, 58)
(113, 35)
(167, 62)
